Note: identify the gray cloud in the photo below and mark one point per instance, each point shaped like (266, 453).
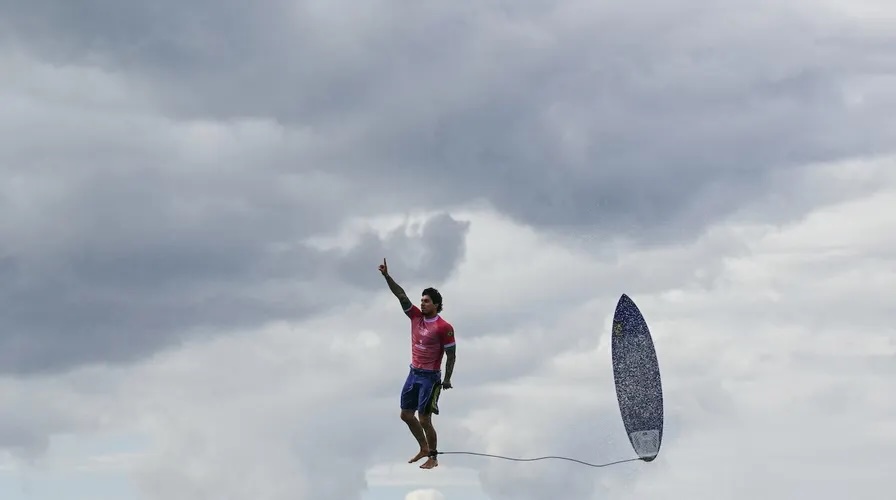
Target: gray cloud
(429, 254)
(128, 231)
(563, 124)
(565, 117)
(146, 259)
(33, 411)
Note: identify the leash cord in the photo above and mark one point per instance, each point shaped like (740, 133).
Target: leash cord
(534, 459)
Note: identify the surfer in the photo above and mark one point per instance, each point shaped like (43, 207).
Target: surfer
(432, 338)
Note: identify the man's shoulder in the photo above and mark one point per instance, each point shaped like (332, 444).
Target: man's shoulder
(445, 325)
(447, 333)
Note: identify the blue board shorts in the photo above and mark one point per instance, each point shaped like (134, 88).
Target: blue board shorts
(421, 391)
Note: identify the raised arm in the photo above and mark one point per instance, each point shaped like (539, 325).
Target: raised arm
(395, 288)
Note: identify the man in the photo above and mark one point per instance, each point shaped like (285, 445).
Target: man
(431, 338)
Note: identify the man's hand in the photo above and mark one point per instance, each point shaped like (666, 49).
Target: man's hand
(383, 268)
(446, 384)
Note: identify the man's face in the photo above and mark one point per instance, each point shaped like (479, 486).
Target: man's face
(426, 305)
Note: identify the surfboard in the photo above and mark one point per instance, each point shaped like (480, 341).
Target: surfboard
(637, 377)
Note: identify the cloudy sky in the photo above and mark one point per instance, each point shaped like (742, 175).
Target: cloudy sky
(195, 198)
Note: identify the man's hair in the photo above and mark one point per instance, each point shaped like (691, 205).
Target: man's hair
(435, 296)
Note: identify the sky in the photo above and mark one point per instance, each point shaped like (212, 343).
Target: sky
(195, 198)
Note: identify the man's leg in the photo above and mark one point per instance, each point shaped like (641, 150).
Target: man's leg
(409, 402)
(429, 407)
(419, 434)
(432, 440)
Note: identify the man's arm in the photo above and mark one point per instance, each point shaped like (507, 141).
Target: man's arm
(451, 354)
(450, 343)
(398, 292)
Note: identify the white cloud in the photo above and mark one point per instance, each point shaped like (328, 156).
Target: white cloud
(428, 494)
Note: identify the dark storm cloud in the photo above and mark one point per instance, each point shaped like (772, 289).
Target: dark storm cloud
(144, 260)
(576, 116)
(643, 120)
(122, 233)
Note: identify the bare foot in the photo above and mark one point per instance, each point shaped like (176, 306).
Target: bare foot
(432, 463)
(418, 456)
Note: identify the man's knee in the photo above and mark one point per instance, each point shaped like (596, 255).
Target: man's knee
(407, 415)
(426, 418)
